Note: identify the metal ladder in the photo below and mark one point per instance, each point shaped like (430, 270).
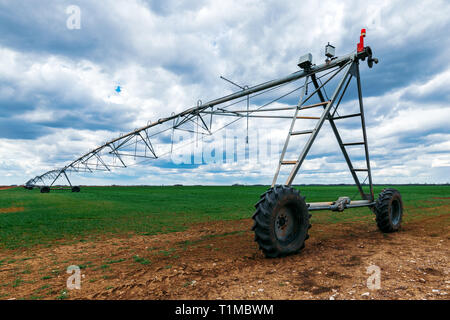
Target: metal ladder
(302, 132)
(351, 71)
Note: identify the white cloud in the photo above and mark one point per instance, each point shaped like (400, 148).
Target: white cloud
(166, 62)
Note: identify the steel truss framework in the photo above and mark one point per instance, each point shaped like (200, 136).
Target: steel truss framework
(142, 142)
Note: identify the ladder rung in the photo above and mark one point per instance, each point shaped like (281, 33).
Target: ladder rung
(295, 133)
(347, 116)
(316, 118)
(353, 143)
(315, 105)
(360, 170)
(288, 162)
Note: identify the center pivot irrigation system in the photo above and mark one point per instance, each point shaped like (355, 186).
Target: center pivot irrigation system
(281, 219)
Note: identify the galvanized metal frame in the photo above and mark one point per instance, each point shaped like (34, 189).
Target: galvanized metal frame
(351, 70)
(347, 65)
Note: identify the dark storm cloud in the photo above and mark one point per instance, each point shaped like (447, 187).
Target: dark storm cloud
(9, 108)
(400, 66)
(40, 27)
(88, 119)
(18, 129)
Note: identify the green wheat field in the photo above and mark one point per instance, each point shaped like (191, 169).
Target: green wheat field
(29, 218)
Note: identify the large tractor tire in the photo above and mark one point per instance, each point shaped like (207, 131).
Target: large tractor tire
(281, 222)
(45, 189)
(76, 189)
(389, 210)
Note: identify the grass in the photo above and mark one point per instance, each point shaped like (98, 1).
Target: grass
(42, 288)
(86, 265)
(63, 295)
(67, 217)
(17, 282)
(114, 261)
(188, 283)
(167, 253)
(141, 260)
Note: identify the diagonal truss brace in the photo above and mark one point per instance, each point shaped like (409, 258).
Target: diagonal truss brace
(127, 144)
(351, 70)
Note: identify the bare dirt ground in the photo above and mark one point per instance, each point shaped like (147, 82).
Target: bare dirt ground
(7, 187)
(11, 209)
(220, 260)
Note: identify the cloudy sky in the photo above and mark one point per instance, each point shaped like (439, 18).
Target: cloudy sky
(58, 98)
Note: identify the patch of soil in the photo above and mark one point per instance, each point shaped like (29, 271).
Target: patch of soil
(431, 271)
(11, 209)
(7, 187)
(336, 275)
(220, 260)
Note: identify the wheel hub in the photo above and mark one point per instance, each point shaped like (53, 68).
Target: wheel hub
(395, 212)
(284, 225)
(282, 222)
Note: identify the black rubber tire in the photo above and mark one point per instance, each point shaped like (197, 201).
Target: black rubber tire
(389, 210)
(281, 222)
(45, 189)
(76, 189)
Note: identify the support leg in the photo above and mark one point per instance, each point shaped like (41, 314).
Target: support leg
(363, 124)
(339, 139)
(319, 124)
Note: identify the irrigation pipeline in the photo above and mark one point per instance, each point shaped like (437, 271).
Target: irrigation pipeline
(142, 136)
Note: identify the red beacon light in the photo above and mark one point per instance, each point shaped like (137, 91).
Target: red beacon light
(360, 46)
